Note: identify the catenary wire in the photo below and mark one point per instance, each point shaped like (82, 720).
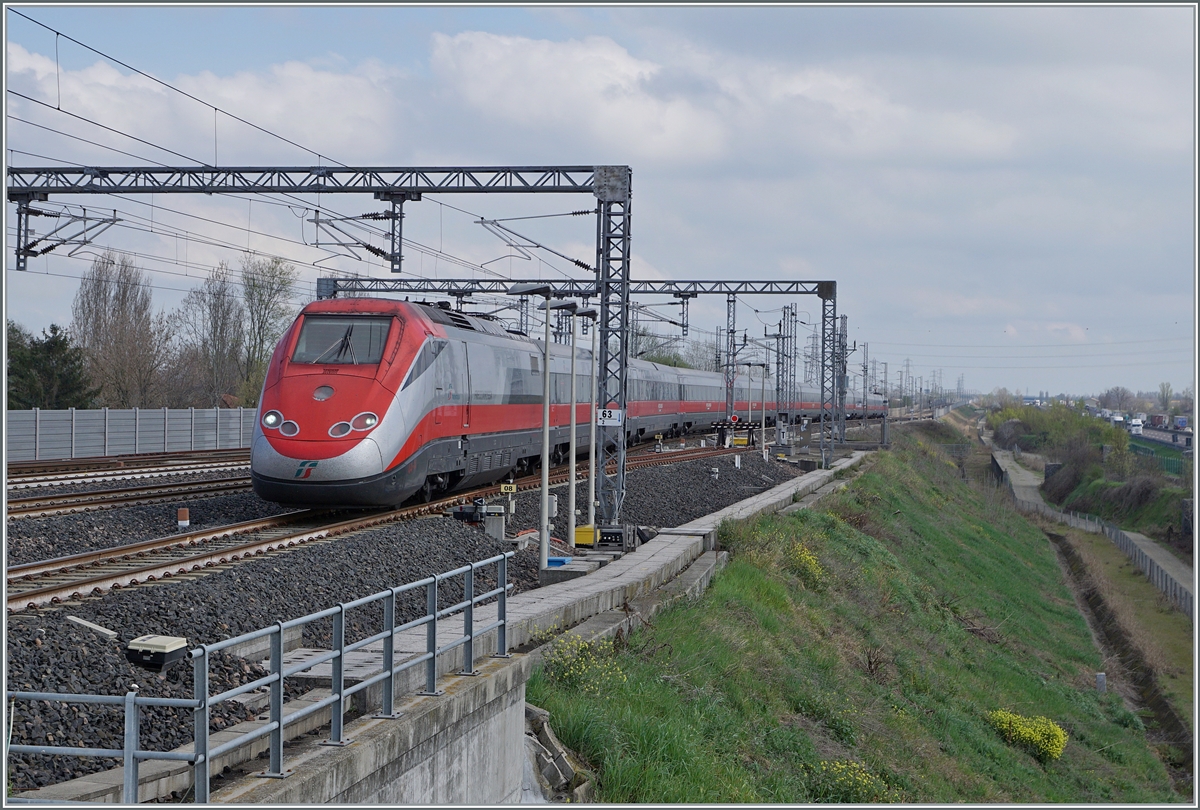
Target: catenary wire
(178, 90)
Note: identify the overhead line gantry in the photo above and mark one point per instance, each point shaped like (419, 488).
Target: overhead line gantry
(610, 185)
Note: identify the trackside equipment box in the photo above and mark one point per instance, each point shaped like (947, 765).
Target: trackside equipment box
(155, 653)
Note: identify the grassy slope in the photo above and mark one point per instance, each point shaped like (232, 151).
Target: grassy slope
(1096, 497)
(753, 692)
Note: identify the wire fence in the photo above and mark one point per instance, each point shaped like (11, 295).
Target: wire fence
(1170, 464)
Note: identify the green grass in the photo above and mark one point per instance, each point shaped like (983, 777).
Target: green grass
(1161, 450)
(1100, 497)
(870, 680)
(1162, 634)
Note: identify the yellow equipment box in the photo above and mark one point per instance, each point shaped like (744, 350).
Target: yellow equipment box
(585, 535)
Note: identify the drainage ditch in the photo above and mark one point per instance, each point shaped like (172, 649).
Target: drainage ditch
(1166, 729)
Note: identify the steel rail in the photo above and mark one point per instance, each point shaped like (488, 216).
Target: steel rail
(165, 569)
(45, 480)
(19, 599)
(90, 558)
(43, 505)
(120, 462)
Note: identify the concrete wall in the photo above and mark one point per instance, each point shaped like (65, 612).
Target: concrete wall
(464, 747)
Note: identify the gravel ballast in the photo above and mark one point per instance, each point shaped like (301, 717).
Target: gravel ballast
(44, 538)
(242, 598)
(160, 479)
(665, 496)
(45, 652)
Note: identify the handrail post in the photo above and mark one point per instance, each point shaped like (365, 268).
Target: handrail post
(502, 609)
(431, 689)
(468, 664)
(387, 704)
(200, 771)
(337, 679)
(275, 770)
(132, 738)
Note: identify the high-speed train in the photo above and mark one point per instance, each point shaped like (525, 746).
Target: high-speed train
(368, 402)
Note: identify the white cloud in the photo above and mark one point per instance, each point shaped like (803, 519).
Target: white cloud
(350, 115)
(976, 179)
(591, 88)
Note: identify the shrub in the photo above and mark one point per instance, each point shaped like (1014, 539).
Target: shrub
(1136, 493)
(805, 565)
(576, 664)
(1041, 736)
(848, 782)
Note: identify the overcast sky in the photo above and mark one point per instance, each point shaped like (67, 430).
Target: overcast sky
(1006, 194)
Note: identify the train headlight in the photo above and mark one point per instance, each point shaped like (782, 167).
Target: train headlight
(339, 430)
(364, 421)
(289, 428)
(272, 419)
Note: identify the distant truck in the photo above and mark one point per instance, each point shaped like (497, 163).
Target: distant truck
(1118, 421)
(1135, 427)
(1158, 420)
(1180, 422)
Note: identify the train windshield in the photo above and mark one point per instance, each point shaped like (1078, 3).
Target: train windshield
(352, 339)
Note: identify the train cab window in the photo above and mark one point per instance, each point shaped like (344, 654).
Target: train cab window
(429, 352)
(341, 339)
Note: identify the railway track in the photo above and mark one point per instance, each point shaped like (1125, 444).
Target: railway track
(92, 573)
(140, 460)
(52, 479)
(50, 504)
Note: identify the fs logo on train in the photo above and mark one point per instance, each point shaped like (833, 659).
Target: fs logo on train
(305, 469)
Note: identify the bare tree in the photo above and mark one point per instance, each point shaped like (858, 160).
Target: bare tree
(1164, 395)
(703, 354)
(126, 346)
(267, 289)
(1118, 398)
(210, 320)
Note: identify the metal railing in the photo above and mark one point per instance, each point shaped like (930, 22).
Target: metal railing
(1173, 465)
(202, 754)
(1178, 593)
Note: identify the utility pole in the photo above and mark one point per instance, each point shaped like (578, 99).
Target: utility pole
(793, 357)
(865, 383)
(906, 382)
(780, 379)
(843, 380)
(730, 351)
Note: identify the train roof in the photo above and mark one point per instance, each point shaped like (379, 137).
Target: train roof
(406, 309)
